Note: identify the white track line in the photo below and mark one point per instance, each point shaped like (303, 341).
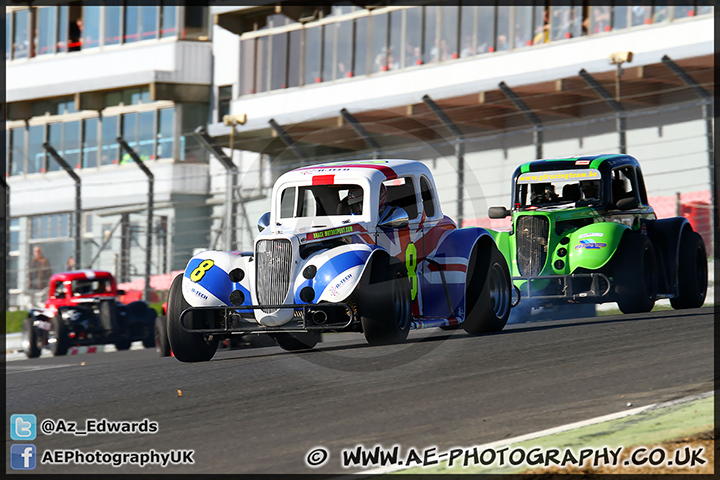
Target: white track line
(551, 431)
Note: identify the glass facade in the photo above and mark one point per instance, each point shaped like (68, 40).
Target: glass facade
(71, 28)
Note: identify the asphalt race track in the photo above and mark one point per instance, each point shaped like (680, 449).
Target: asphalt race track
(264, 409)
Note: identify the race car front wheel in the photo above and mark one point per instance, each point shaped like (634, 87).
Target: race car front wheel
(162, 346)
(692, 272)
(386, 313)
(635, 274)
(488, 292)
(58, 339)
(187, 346)
(30, 344)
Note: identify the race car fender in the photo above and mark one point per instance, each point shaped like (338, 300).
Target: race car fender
(452, 254)
(334, 273)
(207, 282)
(592, 246)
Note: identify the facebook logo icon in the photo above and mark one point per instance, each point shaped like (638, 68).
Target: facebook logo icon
(23, 457)
(23, 427)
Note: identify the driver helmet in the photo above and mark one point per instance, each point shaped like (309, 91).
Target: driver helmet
(590, 188)
(355, 200)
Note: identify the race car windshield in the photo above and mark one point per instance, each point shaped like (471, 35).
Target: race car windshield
(557, 188)
(322, 200)
(91, 286)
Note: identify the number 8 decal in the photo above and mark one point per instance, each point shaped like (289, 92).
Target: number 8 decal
(201, 269)
(410, 264)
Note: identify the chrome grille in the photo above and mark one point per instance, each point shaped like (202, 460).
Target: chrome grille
(531, 239)
(272, 278)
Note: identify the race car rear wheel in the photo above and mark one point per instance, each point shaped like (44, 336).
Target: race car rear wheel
(387, 322)
(58, 339)
(162, 345)
(488, 292)
(293, 342)
(635, 274)
(30, 340)
(692, 272)
(188, 347)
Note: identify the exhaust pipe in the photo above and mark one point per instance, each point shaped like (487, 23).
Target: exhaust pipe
(318, 317)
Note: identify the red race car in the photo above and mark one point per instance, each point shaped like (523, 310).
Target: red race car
(82, 309)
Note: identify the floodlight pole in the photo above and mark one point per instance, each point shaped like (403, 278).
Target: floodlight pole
(708, 117)
(360, 130)
(537, 124)
(459, 152)
(78, 205)
(151, 186)
(614, 104)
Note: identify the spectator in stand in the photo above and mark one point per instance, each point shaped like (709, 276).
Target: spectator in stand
(71, 263)
(542, 32)
(600, 19)
(40, 270)
(75, 35)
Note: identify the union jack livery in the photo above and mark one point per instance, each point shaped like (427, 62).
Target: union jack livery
(355, 246)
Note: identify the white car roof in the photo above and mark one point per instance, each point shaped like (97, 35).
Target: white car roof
(345, 172)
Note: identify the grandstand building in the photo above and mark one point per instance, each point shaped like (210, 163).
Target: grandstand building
(473, 91)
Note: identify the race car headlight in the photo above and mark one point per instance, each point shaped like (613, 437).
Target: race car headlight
(237, 297)
(307, 294)
(70, 315)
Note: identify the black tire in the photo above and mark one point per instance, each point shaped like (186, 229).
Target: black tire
(162, 345)
(30, 339)
(692, 272)
(388, 321)
(186, 346)
(294, 342)
(123, 344)
(58, 340)
(635, 274)
(488, 293)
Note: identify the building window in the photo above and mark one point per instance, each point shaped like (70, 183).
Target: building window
(55, 138)
(262, 60)
(8, 36)
(110, 148)
(313, 55)
(294, 58)
(413, 37)
(146, 136)
(560, 22)
(620, 17)
(21, 42)
(395, 48)
(113, 24)
(247, 62)
(502, 41)
(449, 18)
(360, 63)
(36, 152)
(132, 24)
(13, 253)
(430, 49)
(599, 19)
(90, 27)
(130, 135)
(379, 42)
(224, 98)
(56, 225)
(71, 143)
(46, 31)
(149, 22)
(90, 143)
(523, 27)
(168, 19)
(278, 67)
(165, 135)
(17, 158)
(329, 40)
(343, 59)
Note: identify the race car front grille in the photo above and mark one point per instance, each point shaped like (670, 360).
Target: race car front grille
(109, 315)
(531, 243)
(274, 260)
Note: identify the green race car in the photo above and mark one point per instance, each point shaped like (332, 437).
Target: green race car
(583, 232)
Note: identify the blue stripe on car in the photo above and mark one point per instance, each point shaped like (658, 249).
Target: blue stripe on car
(216, 281)
(331, 269)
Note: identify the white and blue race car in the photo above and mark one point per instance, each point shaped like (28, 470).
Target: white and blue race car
(355, 246)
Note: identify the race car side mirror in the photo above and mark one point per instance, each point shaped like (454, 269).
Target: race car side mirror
(629, 203)
(398, 218)
(264, 221)
(121, 292)
(498, 212)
